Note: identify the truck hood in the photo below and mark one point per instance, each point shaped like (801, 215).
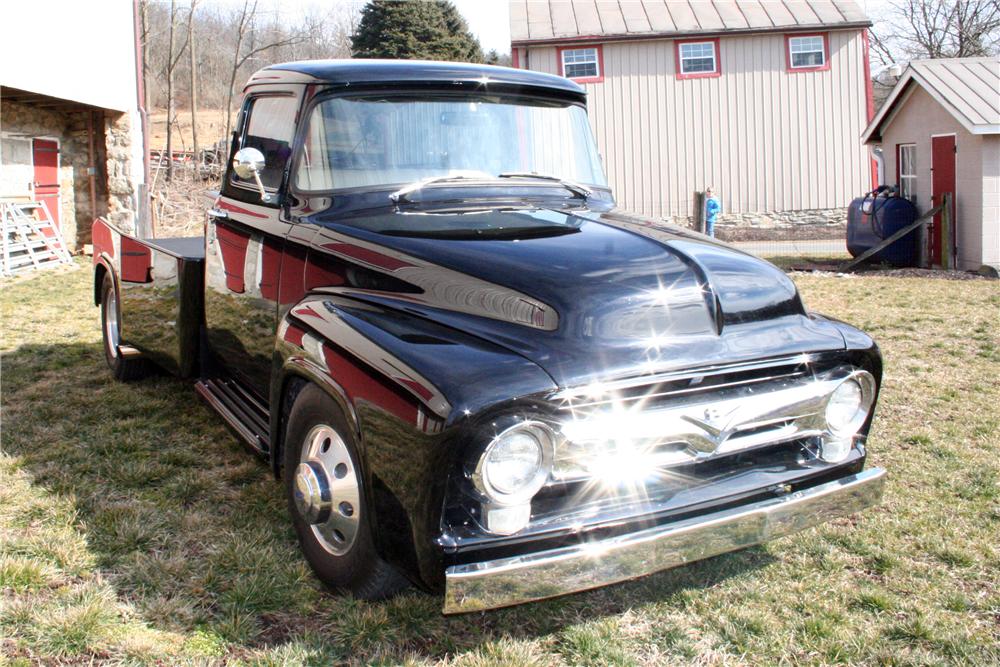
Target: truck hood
(585, 295)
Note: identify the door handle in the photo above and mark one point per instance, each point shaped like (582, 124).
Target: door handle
(218, 214)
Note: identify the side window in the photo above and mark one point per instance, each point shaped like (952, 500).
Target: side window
(270, 129)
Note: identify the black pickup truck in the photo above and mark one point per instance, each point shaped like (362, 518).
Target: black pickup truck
(416, 300)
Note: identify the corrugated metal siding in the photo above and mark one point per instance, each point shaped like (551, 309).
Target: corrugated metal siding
(767, 139)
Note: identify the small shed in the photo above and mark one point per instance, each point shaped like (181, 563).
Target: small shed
(939, 130)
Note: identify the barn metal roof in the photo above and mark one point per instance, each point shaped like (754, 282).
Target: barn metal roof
(969, 88)
(552, 21)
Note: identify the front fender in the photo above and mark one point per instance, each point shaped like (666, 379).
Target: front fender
(407, 386)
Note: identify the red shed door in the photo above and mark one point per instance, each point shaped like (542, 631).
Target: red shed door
(943, 181)
(45, 155)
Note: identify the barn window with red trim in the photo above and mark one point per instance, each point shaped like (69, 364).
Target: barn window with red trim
(807, 53)
(582, 63)
(698, 58)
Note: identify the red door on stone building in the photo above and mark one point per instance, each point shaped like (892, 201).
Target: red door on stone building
(942, 182)
(45, 155)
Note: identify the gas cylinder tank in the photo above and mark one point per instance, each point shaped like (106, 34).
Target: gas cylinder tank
(870, 220)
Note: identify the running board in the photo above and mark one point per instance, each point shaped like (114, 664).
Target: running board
(244, 414)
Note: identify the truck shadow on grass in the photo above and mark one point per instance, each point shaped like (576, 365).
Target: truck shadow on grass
(142, 489)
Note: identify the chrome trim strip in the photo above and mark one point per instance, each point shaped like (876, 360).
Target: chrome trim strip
(670, 376)
(508, 581)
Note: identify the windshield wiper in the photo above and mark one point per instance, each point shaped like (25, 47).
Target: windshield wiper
(403, 194)
(574, 187)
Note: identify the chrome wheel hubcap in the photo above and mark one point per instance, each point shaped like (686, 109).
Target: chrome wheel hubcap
(111, 323)
(326, 491)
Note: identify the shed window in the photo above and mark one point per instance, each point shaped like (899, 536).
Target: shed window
(698, 58)
(581, 63)
(907, 165)
(807, 52)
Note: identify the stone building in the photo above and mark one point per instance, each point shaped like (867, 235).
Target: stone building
(71, 117)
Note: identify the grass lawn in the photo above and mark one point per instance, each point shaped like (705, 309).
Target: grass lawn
(134, 529)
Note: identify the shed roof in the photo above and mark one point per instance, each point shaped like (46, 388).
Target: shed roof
(969, 88)
(548, 21)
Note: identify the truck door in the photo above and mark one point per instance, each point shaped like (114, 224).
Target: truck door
(245, 244)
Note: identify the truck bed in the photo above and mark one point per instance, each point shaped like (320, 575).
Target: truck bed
(182, 247)
(161, 294)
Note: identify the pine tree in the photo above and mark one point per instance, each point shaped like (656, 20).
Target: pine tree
(414, 30)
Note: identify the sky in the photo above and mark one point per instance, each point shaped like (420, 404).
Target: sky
(489, 21)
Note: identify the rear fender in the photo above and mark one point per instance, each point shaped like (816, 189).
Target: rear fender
(107, 250)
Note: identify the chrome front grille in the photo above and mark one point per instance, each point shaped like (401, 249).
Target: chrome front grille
(678, 421)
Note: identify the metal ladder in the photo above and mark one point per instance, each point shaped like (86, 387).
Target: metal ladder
(29, 242)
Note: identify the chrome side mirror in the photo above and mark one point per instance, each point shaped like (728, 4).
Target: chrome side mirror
(248, 163)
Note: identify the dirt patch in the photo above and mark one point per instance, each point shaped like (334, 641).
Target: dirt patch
(805, 233)
(831, 268)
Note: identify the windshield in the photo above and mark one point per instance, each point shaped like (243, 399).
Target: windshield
(356, 142)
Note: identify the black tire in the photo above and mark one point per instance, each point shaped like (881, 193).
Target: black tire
(360, 571)
(123, 369)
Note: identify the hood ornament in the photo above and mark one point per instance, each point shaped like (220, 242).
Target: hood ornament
(718, 425)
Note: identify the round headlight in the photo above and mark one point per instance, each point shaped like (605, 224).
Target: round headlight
(516, 463)
(850, 403)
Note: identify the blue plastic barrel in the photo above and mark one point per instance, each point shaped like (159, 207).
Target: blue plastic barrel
(886, 217)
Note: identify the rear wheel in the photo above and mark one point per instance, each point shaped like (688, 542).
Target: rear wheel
(122, 368)
(325, 491)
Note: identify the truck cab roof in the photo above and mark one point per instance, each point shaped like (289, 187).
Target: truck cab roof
(378, 73)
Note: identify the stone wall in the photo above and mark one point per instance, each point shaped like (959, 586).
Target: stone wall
(122, 196)
(776, 225)
(114, 188)
(22, 123)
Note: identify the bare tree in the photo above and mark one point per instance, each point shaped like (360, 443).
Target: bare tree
(145, 40)
(172, 59)
(247, 48)
(912, 29)
(228, 40)
(194, 90)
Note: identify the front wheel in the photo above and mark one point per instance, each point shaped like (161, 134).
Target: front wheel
(122, 368)
(325, 491)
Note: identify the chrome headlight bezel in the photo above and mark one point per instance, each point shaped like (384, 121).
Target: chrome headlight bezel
(544, 436)
(867, 385)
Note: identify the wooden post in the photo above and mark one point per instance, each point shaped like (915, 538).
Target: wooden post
(699, 212)
(923, 255)
(946, 241)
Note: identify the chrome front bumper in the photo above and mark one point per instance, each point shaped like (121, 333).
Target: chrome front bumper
(508, 581)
